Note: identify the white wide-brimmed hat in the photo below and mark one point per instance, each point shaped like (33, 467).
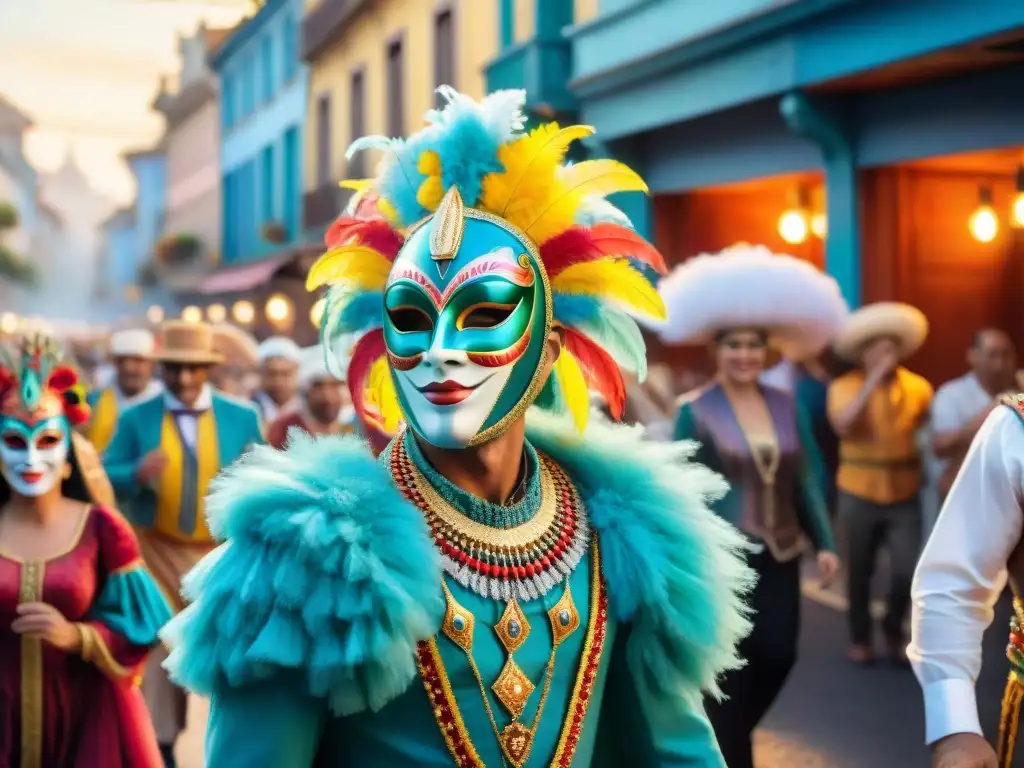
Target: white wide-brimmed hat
(132, 343)
(281, 347)
(799, 307)
(903, 322)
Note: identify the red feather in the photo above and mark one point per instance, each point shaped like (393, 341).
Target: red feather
(373, 233)
(577, 245)
(367, 351)
(599, 370)
(77, 414)
(62, 378)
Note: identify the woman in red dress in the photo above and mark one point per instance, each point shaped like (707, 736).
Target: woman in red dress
(78, 610)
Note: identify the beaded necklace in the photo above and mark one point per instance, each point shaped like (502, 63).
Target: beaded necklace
(523, 562)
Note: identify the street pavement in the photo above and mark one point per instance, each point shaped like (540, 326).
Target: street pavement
(831, 714)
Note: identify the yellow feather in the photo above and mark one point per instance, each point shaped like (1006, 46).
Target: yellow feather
(357, 185)
(531, 165)
(381, 396)
(587, 179)
(614, 279)
(574, 388)
(356, 265)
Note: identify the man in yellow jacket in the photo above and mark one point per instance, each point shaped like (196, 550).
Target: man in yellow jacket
(131, 353)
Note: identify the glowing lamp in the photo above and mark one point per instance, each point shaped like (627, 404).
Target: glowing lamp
(8, 322)
(155, 314)
(243, 312)
(216, 313)
(793, 226)
(819, 225)
(278, 309)
(316, 313)
(984, 224)
(192, 314)
(1017, 214)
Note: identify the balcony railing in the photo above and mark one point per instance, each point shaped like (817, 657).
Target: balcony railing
(325, 22)
(540, 66)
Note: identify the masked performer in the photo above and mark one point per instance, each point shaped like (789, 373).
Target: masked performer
(762, 442)
(78, 611)
(490, 588)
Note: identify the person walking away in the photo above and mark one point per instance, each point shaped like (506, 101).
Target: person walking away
(279, 378)
(163, 456)
(759, 439)
(324, 397)
(131, 355)
(877, 411)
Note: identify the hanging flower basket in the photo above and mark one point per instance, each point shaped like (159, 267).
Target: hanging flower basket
(179, 249)
(14, 268)
(274, 232)
(8, 216)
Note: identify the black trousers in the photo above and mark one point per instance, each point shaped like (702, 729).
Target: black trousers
(770, 651)
(867, 527)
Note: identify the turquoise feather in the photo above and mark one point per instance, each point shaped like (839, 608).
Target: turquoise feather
(617, 333)
(572, 309)
(312, 581)
(312, 585)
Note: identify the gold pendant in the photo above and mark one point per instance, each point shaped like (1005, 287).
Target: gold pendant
(513, 688)
(513, 628)
(516, 739)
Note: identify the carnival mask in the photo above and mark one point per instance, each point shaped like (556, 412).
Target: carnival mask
(33, 455)
(468, 312)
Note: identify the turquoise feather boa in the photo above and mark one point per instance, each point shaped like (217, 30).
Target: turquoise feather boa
(328, 572)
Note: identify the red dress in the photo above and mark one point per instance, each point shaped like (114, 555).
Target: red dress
(80, 710)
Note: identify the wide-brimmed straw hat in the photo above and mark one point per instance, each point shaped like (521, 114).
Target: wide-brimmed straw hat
(180, 341)
(902, 322)
(799, 307)
(238, 348)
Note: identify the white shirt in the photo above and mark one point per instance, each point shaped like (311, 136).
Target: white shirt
(962, 572)
(188, 423)
(270, 411)
(955, 404)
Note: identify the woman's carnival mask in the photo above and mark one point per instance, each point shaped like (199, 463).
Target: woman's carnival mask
(467, 316)
(35, 439)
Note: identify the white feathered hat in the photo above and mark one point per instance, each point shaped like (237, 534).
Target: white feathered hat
(748, 286)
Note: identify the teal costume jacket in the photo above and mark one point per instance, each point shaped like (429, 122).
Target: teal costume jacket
(306, 626)
(139, 431)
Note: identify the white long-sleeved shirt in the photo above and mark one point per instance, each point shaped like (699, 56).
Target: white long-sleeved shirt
(962, 571)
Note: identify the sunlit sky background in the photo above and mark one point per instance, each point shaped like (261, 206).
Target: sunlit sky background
(86, 71)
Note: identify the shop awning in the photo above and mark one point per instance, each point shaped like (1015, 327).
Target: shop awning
(244, 277)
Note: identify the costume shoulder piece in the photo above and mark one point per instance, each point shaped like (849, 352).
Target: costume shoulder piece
(675, 571)
(310, 581)
(1014, 403)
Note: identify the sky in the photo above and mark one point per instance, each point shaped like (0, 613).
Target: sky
(86, 71)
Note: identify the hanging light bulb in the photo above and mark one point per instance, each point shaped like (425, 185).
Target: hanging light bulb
(819, 225)
(794, 223)
(984, 224)
(1017, 214)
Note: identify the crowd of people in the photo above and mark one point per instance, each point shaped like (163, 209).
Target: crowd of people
(312, 581)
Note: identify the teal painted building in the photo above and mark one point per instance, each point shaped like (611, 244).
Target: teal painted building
(703, 94)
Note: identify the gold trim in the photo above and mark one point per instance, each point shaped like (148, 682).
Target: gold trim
(520, 536)
(453, 611)
(31, 591)
(449, 225)
(503, 628)
(75, 540)
(100, 655)
(588, 645)
(134, 565)
(458, 725)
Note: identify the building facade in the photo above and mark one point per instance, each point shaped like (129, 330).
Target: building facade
(881, 129)
(374, 68)
(263, 87)
(193, 212)
(18, 194)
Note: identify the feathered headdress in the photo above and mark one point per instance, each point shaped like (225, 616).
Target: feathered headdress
(34, 384)
(587, 246)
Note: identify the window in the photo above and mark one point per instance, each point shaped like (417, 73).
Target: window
(323, 141)
(396, 88)
(248, 86)
(291, 181)
(507, 29)
(357, 122)
(229, 222)
(267, 67)
(228, 103)
(267, 185)
(289, 48)
(444, 51)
